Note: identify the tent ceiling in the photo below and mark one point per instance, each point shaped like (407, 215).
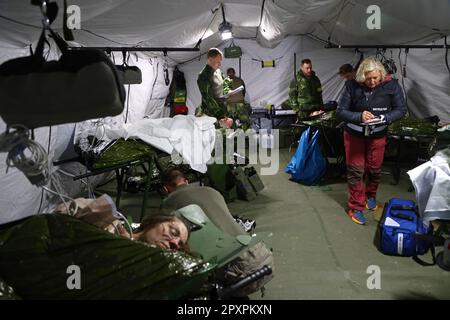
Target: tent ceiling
(181, 23)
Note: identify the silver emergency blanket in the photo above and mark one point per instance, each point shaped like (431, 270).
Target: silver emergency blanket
(189, 138)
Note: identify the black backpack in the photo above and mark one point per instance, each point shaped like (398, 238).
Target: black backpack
(81, 85)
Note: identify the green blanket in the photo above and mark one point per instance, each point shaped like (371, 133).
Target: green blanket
(35, 254)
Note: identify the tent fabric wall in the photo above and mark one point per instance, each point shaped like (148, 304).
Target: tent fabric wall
(144, 100)
(183, 23)
(260, 84)
(147, 98)
(426, 84)
(18, 197)
(285, 27)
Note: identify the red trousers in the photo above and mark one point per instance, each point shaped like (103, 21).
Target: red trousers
(364, 157)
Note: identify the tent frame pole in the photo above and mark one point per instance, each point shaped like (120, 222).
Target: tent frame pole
(384, 46)
(135, 49)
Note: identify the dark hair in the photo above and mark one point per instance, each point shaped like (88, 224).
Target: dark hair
(345, 68)
(171, 176)
(214, 52)
(306, 61)
(231, 69)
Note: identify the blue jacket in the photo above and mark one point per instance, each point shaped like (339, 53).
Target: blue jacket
(386, 99)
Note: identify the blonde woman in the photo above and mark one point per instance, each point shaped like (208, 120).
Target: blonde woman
(368, 105)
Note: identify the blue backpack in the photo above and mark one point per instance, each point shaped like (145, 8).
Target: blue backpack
(401, 231)
(308, 165)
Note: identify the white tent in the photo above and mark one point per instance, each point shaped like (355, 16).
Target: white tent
(265, 30)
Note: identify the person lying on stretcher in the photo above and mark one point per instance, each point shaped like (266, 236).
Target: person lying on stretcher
(170, 232)
(165, 231)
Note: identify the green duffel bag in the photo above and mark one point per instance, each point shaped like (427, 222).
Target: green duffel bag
(233, 52)
(254, 179)
(221, 178)
(245, 189)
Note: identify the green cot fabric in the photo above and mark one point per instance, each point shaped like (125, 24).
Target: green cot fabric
(412, 126)
(212, 243)
(327, 119)
(122, 152)
(305, 94)
(36, 252)
(221, 179)
(210, 201)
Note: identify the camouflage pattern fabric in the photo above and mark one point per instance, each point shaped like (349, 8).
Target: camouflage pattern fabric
(327, 119)
(424, 133)
(122, 152)
(211, 104)
(240, 113)
(35, 254)
(305, 94)
(412, 126)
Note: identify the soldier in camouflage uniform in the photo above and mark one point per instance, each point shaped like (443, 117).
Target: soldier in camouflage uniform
(305, 91)
(213, 86)
(236, 106)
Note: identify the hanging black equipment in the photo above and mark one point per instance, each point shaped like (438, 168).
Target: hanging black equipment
(166, 71)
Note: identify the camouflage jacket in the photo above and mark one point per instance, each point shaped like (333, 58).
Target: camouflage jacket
(207, 82)
(305, 94)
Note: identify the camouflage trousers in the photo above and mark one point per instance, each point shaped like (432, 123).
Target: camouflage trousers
(240, 113)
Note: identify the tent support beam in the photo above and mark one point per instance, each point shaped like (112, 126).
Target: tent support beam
(135, 49)
(384, 46)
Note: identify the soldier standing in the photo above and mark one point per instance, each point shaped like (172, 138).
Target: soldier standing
(305, 91)
(236, 106)
(213, 86)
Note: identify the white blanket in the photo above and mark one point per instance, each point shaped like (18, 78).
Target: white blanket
(432, 183)
(192, 138)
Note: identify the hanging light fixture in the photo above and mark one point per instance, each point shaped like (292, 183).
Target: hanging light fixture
(225, 28)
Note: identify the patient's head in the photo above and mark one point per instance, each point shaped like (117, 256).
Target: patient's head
(172, 179)
(164, 231)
